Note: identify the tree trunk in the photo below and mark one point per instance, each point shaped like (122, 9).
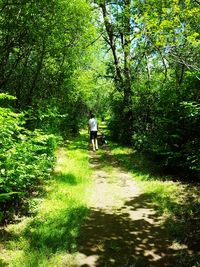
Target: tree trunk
(122, 72)
(127, 73)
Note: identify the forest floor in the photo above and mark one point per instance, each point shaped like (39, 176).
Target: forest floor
(106, 209)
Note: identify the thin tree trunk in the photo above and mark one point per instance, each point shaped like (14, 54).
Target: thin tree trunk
(111, 42)
(128, 116)
(123, 73)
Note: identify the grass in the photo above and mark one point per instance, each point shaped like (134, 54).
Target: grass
(46, 238)
(178, 201)
(49, 236)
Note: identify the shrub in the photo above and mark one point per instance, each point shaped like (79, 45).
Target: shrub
(26, 158)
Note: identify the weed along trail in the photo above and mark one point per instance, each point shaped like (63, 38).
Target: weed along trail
(123, 228)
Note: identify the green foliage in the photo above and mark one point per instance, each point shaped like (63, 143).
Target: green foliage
(168, 126)
(46, 53)
(164, 71)
(116, 122)
(6, 96)
(25, 159)
(48, 236)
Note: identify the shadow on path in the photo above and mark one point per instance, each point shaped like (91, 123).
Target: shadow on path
(118, 239)
(132, 235)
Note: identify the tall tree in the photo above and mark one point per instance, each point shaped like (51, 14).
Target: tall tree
(117, 25)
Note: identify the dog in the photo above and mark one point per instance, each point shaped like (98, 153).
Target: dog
(103, 139)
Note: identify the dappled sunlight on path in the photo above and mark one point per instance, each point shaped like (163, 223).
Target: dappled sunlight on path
(123, 229)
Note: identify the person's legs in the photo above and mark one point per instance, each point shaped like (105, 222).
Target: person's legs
(93, 144)
(96, 143)
(93, 138)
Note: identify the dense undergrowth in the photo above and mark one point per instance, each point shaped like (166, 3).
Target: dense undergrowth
(165, 124)
(43, 238)
(26, 160)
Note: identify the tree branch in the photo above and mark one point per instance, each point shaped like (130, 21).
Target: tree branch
(94, 40)
(163, 61)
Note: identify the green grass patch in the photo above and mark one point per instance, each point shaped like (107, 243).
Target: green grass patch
(47, 237)
(178, 201)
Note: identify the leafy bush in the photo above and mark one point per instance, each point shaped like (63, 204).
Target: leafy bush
(26, 158)
(166, 124)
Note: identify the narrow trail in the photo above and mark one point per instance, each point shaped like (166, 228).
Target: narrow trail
(123, 228)
(120, 226)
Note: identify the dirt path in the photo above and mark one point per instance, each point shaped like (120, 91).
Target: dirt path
(123, 228)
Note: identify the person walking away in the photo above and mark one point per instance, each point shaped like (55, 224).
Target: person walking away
(93, 128)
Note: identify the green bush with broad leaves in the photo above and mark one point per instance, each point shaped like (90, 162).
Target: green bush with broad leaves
(26, 158)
